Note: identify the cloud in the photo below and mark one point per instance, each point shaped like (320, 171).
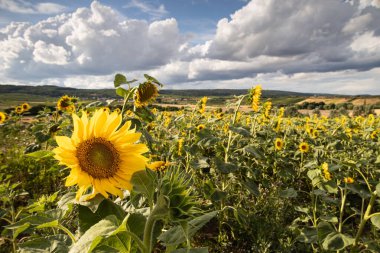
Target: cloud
(297, 42)
(90, 41)
(25, 7)
(150, 9)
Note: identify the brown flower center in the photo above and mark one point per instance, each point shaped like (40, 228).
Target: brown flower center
(98, 157)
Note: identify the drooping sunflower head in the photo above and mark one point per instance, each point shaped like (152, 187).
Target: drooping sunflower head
(100, 154)
(25, 107)
(145, 93)
(304, 147)
(65, 103)
(3, 117)
(19, 109)
(279, 144)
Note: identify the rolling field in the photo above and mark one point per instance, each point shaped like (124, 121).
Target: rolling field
(245, 177)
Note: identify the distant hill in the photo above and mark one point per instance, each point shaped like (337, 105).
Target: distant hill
(55, 91)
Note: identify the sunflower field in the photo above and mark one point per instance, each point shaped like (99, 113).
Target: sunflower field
(126, 177)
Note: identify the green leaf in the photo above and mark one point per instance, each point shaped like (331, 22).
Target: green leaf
(225, 168)
(329, 186)
(153, 80)
(195, 250)
(378, 189)
(337, 241)
(136, 223)
(252, 187)
(324, 229)
(359, 189)
(33, 220)
(258, 154)
(119, 80)
(308, 235)
(87, 218)
(176, 235)
(145, 182)
(218, 195)
(121, 242)
(20, 229)
(240, 130)
(376, 220)
(288, 193)
(66, 201)
(200, 163)
(51, 224)
(56, 243)
(331, 219)
(38, 155)
(121, 92)
(93, 236)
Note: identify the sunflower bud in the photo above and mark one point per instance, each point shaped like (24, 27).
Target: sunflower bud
(176, 189)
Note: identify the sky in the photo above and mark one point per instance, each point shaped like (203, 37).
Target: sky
(329, 46)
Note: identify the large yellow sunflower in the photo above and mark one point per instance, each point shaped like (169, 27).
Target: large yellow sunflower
(100, 154)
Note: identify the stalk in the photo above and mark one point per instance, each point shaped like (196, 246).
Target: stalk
(366, 217)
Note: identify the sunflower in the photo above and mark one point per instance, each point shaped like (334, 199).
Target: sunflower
(348, 180)
(19, 109)
(25, 107)
(374, 135)
(279, 144)
(303, 147)
(255, 95)
(159, 165)
(65, 103)
(200, 127)
(2, 117)
(145, 93)
(100, 154)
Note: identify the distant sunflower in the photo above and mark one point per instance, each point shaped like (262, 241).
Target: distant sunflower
(25, 107)
(348, 180)
(279, 144)
(100, 154)
(145, 93)
(19, 109)
(65, 103)
(3, 116)
(200, 127)
(303, 147)
(159, 165)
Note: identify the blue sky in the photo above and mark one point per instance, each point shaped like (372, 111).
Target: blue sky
(296, 45)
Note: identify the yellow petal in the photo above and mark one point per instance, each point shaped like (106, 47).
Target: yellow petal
(126, 138)
(99, 125)
(99, 187)
(80, 191)
(65, 142)
(113, 122)
(134, 149)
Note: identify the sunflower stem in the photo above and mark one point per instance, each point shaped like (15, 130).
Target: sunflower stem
(68, 232)
(148, 232)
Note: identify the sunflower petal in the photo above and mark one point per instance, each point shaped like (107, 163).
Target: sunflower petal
(65, 142)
